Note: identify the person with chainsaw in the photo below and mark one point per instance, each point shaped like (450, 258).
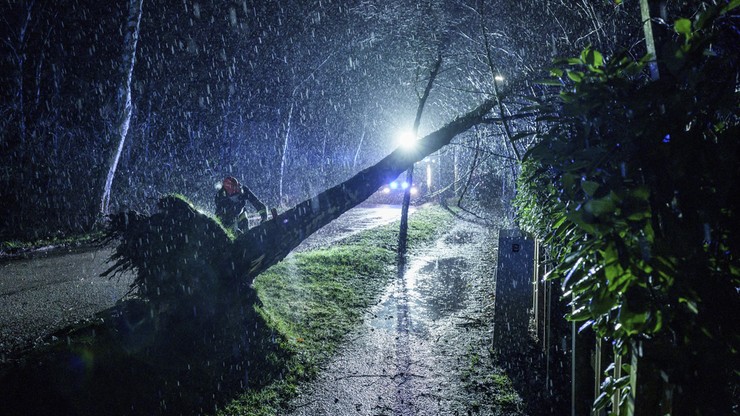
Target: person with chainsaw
(231, 199)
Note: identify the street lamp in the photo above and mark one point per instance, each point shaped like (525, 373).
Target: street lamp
(407, 139)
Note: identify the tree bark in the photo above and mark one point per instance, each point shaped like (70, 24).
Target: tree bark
(20, 56)
(359, 146)
(647, 27)
(131, 37)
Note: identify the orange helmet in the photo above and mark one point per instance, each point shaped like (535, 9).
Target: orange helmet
(231, 185)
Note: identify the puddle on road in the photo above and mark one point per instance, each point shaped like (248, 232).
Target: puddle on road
(407, 357)
(440, 287)
(433, 288)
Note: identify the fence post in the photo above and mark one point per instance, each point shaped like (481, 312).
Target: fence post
(536, 287)
(513, 285)
(598, 359)
(582, 370)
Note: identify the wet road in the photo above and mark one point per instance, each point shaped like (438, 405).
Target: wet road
(418, 342)
(48, 292)
(43, 294)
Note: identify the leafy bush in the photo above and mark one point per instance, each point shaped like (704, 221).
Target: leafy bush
(633, 184)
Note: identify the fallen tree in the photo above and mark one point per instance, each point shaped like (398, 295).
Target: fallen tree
(269, 243)
(209, 249)
(194, 328)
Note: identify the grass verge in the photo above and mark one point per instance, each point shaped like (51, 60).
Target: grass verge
(313, 299)
(17, 247)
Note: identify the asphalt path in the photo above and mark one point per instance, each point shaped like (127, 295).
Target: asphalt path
(49, 291)
(352, 222)
(420, 349)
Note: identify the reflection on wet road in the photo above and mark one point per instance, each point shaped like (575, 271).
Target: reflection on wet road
(405, 360)
(431, 289)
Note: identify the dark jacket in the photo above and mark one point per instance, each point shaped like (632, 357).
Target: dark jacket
(229, 207)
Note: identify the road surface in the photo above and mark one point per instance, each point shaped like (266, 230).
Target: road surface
(47, 292)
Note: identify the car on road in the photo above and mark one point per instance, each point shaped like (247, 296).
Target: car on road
(392, 192)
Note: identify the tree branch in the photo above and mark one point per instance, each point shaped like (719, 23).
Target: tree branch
(496, 89)
(403, 229)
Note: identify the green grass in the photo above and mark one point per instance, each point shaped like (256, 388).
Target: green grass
(424, 224)
(14, 246)
(313, 299)
(482, 378)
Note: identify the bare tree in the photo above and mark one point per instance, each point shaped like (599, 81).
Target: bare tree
(288, 124)
(403, 232)
(123, 97)
(19, 54)
(359, 145)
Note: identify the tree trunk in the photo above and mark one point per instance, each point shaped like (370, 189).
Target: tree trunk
(359, 146)
(131, 36)
(284, 154)
(286, 142)
(183, 257)
(268, 243)
(647, 27)
(20, 55)
(404, 228)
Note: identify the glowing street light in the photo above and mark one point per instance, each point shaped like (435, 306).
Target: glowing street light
(499, 78)
(407, 139)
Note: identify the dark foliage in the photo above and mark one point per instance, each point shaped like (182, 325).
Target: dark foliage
(191, 329)
(634, 186)
(177, 253)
